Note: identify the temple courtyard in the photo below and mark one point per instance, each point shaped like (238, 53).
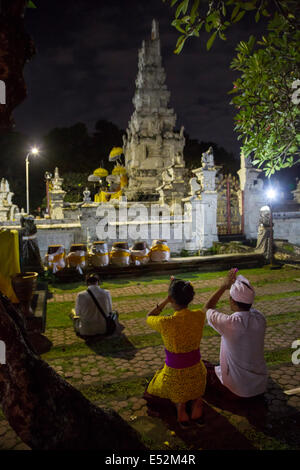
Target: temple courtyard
(113, 372)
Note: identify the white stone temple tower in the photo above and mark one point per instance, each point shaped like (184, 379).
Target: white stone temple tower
(151, 145)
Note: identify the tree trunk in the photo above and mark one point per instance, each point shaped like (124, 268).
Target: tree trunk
(44, 410)
(16, 48)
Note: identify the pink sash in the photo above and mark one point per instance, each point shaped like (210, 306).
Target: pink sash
(182, 360)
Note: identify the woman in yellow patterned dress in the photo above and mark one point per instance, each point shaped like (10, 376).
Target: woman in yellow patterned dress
(183, 377)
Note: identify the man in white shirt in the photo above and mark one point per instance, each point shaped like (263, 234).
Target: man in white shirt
(242, 367)
(88, 320)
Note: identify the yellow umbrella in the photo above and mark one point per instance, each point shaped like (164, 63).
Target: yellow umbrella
(115, 153)
(119, 170)
(101, 172)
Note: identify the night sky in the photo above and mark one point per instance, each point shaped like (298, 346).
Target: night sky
(86, 65)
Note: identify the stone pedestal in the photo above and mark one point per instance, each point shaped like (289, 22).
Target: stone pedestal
(57, 196)
(204, 205)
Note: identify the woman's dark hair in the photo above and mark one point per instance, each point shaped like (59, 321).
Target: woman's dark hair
(92, 279)
(181, 291)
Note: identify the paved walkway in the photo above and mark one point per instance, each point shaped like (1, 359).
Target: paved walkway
(134, 358)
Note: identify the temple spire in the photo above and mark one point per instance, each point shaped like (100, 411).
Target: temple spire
(155, 30)
(151, 144)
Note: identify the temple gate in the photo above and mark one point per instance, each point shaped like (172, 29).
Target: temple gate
(230, 204)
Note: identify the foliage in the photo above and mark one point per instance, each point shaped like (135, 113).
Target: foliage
(31, 4)
(268, 114)
(74, 184)
(268, 120)
(216, 16)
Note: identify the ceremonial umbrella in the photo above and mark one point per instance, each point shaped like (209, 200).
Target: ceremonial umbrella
(119, 170)
(100, 172)
(115, 153)
(93, 179)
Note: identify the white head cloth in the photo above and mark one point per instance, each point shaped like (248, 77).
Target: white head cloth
(242, 291)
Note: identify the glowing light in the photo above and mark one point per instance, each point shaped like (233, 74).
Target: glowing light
(34, 151)
(271, 193)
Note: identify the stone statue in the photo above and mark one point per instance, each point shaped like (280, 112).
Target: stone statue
(30, 258)
(264, 231)
(8, 210)
(195, 186)
(86, 195)
(207, 159)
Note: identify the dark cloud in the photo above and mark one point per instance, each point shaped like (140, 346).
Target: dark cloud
(86, 66)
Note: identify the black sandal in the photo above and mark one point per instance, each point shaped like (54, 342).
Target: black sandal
(184, 424)
(200, 422)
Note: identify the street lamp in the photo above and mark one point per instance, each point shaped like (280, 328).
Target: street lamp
(48, 177)
(33, 151)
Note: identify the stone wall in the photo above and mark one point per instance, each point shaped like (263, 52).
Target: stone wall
(287, 226)
(52, 232)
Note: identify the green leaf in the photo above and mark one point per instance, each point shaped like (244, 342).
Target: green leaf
(239, 16)
(249, 6)
(176, 24)
(257, 16)
(180, 44)
(208, 27)
(194, 10)
(211, 41)
(182, 7)
(235, 11)
(30, 4)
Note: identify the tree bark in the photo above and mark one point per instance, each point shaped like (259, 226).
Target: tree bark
(44, 410)
(16, 48)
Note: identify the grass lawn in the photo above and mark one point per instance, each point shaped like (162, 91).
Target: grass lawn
(114, 381)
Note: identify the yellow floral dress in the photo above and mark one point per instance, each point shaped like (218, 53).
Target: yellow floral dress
(181, 333)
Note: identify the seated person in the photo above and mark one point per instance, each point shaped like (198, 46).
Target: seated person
(183, 376)
(88, 320)
(242, 368)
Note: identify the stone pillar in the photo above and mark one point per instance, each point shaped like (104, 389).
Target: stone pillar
(252, 196)
(57, 196)
(204, 206)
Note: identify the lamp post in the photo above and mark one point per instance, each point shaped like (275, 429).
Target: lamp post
(33, 151)
(48, 177)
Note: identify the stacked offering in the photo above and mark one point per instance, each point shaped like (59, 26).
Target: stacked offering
(99, 255)
(77, 258)
(120, 254)
(159, 251)
(140, 253)
(55, 258)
